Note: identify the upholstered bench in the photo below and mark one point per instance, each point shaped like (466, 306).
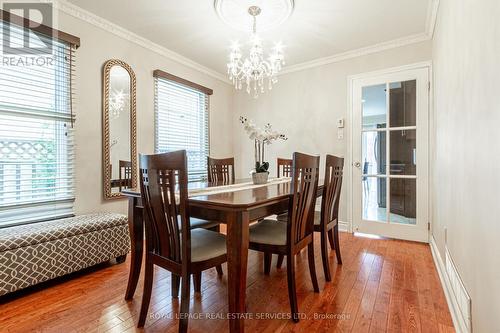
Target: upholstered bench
(30, 254)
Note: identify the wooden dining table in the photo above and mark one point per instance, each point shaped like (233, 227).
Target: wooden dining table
(236, 208)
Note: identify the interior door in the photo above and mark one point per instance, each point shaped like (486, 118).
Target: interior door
(390, 154)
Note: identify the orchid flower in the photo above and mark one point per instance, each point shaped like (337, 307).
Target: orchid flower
(261, 137)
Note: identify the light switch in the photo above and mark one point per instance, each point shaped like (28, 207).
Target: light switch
(340, 123)
(340, 134)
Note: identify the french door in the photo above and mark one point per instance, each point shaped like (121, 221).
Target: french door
(390, 115)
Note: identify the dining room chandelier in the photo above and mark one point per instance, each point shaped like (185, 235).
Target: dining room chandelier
(255, 71)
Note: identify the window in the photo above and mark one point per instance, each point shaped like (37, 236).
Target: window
(181, 112)
(36, 134)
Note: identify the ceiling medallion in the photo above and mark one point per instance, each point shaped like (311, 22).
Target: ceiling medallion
(273, 13)
(254, 70)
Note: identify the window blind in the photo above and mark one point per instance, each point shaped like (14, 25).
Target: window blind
(36, 132)
(181, 122)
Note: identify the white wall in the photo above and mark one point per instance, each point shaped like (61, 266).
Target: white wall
(466, 158)
(97, 46)
(305, 106)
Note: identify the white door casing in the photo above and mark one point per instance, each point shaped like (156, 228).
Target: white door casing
(371, 214)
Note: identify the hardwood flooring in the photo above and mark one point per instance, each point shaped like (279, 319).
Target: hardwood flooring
(383, 286)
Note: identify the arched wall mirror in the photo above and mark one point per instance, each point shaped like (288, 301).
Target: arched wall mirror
(119, 129)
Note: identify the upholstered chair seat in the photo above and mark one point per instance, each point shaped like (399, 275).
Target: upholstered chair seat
(206, 245)
(284, 218)
(317, 220)
(198, 223)
(268, 232)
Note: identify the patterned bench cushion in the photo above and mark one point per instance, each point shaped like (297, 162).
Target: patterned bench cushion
(35, 253)
(30, 265)
(32, 234)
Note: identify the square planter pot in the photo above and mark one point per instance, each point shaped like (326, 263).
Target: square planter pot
(260, 177)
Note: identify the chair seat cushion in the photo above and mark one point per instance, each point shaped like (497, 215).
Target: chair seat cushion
(37, 233)
(198, 223)
(317, 221)
(268, 232)
(206, 244)
(317, 218)
(284, 217)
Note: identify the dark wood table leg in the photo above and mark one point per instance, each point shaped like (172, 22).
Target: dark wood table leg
(237, 256)
(136, 231)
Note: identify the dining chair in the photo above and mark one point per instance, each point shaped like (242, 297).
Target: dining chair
(170, 242)
(124, 174)
(220, 169)
(326, 222)
(284, 167)
(288, 239)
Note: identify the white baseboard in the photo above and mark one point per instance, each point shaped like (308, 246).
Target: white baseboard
(344, 226)
(458, 321)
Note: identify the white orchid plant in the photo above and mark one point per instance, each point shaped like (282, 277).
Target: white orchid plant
(261, 137)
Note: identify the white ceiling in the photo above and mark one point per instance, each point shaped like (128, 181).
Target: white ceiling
(316, 29)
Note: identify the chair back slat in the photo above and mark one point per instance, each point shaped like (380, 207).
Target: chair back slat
(305, 171)
(221, 170)
(284, 167)
(125, 169)
(163, 179)
(124, 174)
(332, 188)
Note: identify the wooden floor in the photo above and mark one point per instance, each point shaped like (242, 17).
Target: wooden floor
(383, 285)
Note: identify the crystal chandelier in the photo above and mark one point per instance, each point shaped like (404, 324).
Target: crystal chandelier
(255, 71)
(116, 103)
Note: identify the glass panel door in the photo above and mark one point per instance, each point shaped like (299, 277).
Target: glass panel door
(390, 126)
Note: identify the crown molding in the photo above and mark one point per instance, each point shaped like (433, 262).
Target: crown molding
(430, 23)
(121, 32)
(413, 39)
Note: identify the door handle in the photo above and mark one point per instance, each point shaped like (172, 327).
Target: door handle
(357, 165)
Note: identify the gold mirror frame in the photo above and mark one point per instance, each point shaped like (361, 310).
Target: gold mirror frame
(105, 128)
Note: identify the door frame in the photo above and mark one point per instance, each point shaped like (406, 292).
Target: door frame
(350, 82)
